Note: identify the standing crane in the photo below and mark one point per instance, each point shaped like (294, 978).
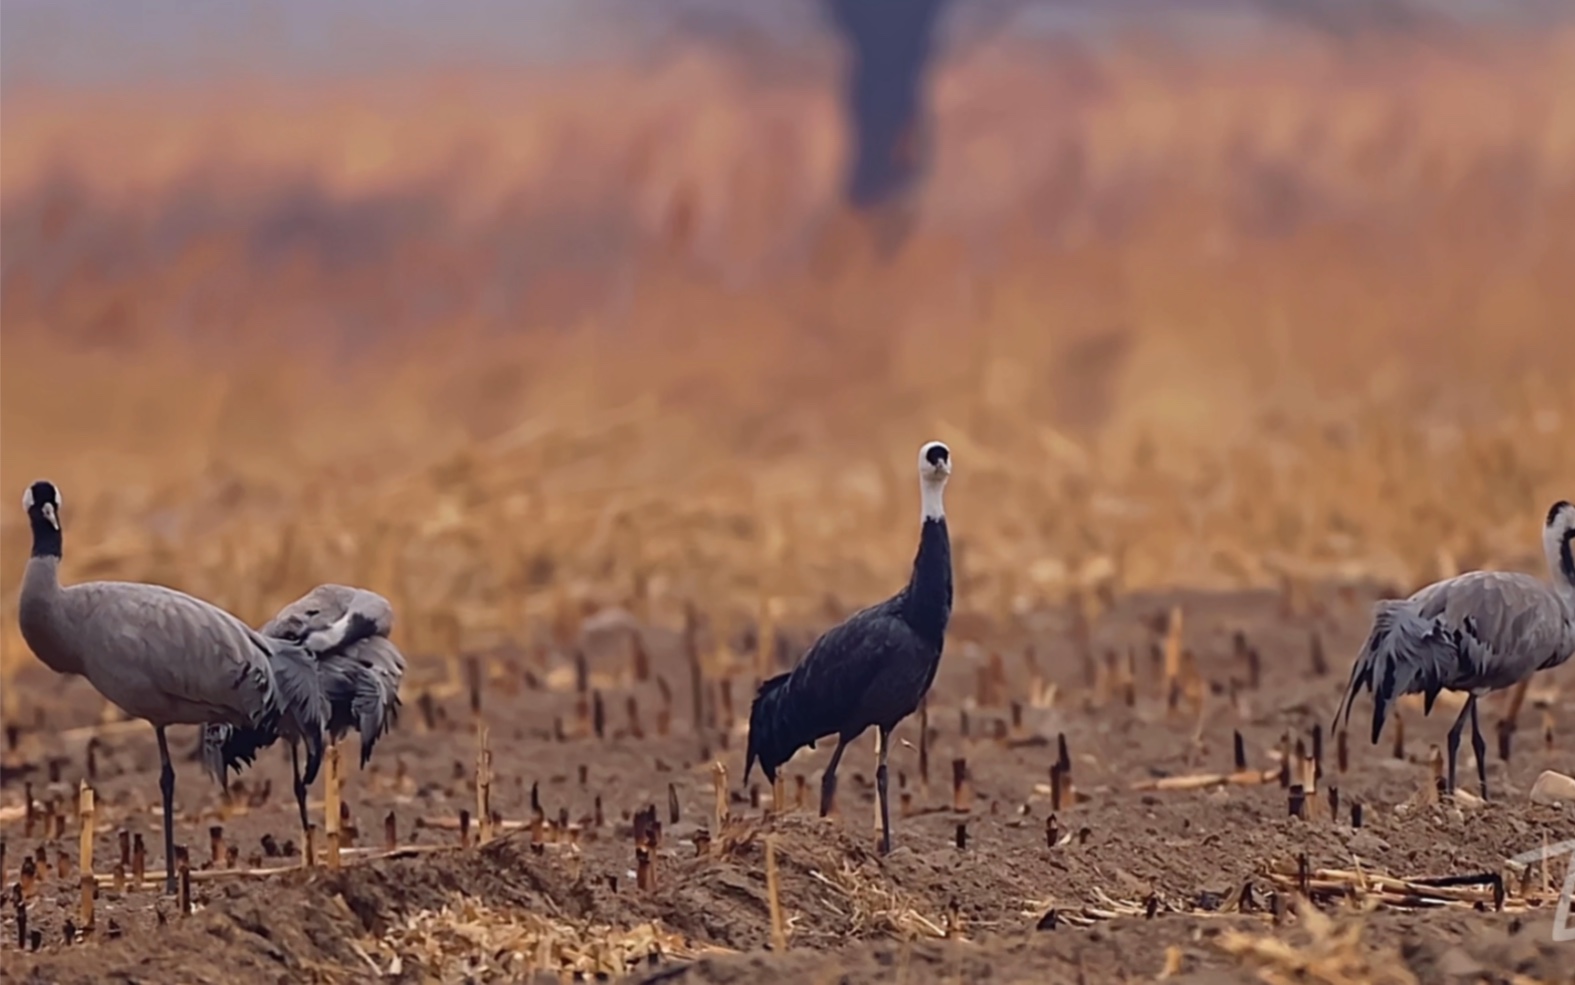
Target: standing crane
(872, 669)
(161, 655)
(1477, 632)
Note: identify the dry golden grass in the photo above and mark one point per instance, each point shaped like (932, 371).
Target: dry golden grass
(1214, 321)
(472, 941)
(1331, 953)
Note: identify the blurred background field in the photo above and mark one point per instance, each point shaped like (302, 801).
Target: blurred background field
(486, 330)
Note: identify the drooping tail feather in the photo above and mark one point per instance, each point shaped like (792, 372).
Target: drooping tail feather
(225, 748)
(376, 711)
(298, 708)
(1404, 654)
(364, 692)
(304, 701)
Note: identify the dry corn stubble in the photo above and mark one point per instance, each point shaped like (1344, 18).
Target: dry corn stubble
(468, 939)
(1323, 950)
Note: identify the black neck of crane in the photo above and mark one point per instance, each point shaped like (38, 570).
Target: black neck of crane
(46, 536)
(927, 602)
(1567, 556)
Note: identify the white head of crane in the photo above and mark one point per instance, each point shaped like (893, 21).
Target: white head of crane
(935, 465)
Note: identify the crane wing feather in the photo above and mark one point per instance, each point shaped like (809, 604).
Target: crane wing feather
(363, 689)
(824, 691)
(832, 678)
(1513, 624)
(1477, 632)
(173, 645)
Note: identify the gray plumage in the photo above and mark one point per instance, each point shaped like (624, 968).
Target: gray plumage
(356, 675)
(348, 629)
(1477, 632)
(158, 654)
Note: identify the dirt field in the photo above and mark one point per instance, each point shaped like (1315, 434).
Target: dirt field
(849, 915)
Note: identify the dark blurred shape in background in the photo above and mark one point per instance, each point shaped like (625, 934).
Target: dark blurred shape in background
(238, 168)
(889, 48)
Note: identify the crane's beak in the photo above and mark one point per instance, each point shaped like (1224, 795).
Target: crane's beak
(48, 509)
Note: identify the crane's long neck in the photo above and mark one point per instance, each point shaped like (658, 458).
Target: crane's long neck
(39, 612)
(47, 541)
(927, 603)
(41, 580)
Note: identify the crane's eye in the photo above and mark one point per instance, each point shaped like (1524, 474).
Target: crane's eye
(313, 612)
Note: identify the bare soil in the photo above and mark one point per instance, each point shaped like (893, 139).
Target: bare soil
(1141, 882)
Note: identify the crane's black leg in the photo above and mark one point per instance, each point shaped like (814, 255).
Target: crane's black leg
(1454, 743)
(1479, 746)
(300, 785)
(880, 791)
(828, 779)
(167, 789)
